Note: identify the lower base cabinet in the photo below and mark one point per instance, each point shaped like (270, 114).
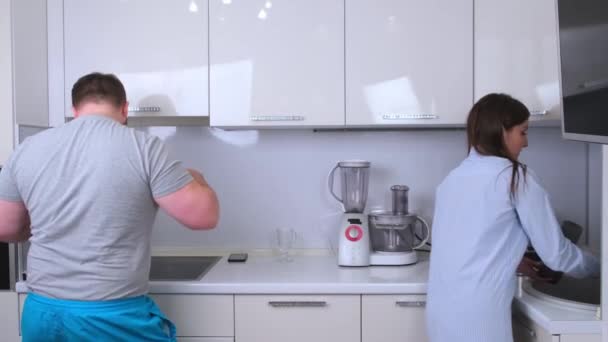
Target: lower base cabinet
(199, 318)
(525, 330)
(9, 322)
(206, 339)
(393, 318)
(297, 318)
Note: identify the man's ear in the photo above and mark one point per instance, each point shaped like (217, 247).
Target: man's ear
(124, 112)
(76, 112)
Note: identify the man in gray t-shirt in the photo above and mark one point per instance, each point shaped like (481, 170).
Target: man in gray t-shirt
(88, 193)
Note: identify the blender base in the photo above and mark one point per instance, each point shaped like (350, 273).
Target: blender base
(393, 258)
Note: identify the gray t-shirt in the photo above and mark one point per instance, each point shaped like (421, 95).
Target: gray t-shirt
(89, 187)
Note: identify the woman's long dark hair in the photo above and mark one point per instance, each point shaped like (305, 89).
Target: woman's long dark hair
(487, 120)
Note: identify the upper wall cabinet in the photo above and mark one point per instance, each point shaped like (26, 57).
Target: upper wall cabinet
(158, 48)
(6, 86)
(408, 62)
(516, 53)
(37, 55)
(277, 63)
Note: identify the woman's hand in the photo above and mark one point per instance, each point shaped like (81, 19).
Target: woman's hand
(531, 268)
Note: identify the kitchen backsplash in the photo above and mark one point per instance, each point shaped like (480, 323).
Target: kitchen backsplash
(278, 178)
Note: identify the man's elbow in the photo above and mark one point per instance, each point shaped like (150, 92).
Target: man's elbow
(208, 218)
(205, 223)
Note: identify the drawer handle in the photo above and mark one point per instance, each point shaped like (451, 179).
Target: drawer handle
(277, 118)
(297, 304)
(415, 304)
(144, 109)
(538, 112)
(409, 116)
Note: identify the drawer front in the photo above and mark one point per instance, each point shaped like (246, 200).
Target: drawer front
(199, 315)
(393, 318)
(525, 330)
(193, 315)
(206, 339)
(297, 318)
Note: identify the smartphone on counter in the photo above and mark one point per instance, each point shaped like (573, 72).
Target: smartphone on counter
(237, 257)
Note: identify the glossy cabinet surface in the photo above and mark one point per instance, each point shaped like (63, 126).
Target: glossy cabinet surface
(276, 63)
(516, 52)
(199, 315)
(6, 85)
(158, 48)
(408, 62)
(393, 318)
(297, 318)
(9, 311)
(29, 65)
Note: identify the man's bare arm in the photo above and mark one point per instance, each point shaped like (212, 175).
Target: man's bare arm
(195, 205)
(14, 222)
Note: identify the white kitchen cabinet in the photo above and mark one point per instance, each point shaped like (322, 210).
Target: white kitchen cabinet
(525, 330)
(9, 323)
(297, 318)
(199, 315)
(6, 85)
(580, 338)
(197, 318)
(516, 52)
(157, 48)
(206, 339)
(37, 60)
(276, 63)
(408, 62)
(393, 318)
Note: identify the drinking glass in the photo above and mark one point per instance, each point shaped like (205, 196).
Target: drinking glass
(286, 238)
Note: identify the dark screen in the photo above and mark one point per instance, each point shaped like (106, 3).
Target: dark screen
(583, 40)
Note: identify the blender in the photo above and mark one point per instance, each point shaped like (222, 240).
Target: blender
(354, 243)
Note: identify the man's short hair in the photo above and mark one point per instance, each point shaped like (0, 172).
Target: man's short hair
(97, 87)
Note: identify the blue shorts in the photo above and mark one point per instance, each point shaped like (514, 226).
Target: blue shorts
(132, 319)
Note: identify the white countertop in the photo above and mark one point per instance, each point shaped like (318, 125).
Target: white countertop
(558, 319)
(306, 274)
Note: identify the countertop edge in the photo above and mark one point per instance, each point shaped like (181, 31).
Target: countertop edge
(533, 308)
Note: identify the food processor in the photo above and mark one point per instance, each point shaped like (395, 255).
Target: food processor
(382, 237)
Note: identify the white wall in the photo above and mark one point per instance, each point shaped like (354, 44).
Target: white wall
(6, 93)
(273, 178)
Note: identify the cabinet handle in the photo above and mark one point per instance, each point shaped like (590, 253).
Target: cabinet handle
(538, 112)
(415, 304)
(144, 109)
(409, 116)
(277, 118)
(298, 304)
(529, 331)
(593, 84)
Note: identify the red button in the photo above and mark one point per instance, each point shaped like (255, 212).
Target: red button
(353, 233)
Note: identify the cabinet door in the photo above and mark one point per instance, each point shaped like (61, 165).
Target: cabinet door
(277, 63)
(199, 315)
(408, 62)
(206, 339)
(158, 48)
(524, 330)
(298, 318)
(393, 318)
(580, 338)
(9, 311)
(6, 85)
(516, 53)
